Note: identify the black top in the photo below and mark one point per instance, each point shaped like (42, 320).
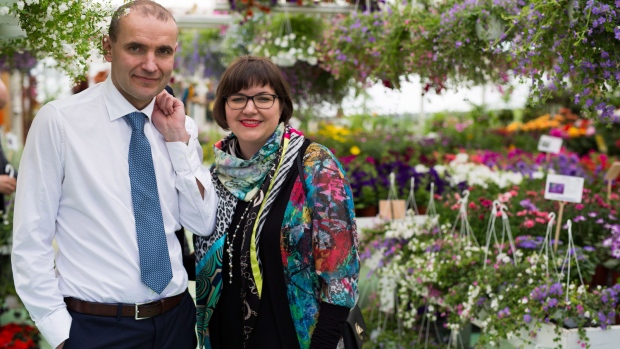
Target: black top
(274, 327)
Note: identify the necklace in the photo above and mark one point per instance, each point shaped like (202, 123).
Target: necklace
(230, 243)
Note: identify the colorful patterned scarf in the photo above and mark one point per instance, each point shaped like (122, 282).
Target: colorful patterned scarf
(243, 178)
(210, 249)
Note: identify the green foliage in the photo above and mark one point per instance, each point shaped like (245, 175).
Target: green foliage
(65, 30)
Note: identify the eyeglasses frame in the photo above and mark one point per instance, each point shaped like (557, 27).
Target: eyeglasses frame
(252, 98)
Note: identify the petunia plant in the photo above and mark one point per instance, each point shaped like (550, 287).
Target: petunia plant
(69, 31)
(570, 45)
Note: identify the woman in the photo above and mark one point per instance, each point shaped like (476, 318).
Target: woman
(281, 268)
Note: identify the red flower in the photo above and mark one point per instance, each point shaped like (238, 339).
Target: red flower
(485, 202)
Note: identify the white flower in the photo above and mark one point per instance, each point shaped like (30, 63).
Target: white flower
(419, 168)
(63, 7)
(524, 300)
(20, 5)
(311, 50)
(69, 50)
(461, 158)
(4, 10)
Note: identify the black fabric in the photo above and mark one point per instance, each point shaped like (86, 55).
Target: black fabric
(328, 328)
(226, 325)
(174, 329)
(189, 259)
(354, 332)
(274, 326)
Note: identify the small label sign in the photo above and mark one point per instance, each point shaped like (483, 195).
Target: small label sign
(613, 171)
(550, 144)
(564, 188)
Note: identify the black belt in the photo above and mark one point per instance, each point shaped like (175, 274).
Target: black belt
(138, 311)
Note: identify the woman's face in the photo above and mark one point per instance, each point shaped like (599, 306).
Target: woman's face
(251, 125)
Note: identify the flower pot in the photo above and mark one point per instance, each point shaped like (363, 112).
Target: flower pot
(569, 338)
(600, 277)
(370, 211)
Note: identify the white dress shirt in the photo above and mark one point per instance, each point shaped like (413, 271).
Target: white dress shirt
(74, 186)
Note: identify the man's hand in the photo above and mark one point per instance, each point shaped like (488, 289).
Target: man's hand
(169, 118)
(7, 184)
(61, 345)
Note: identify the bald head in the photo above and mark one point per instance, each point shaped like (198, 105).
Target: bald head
(146, 8)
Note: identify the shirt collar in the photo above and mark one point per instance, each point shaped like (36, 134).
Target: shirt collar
(117, 105)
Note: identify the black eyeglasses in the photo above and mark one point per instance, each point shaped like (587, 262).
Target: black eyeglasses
(261, 101)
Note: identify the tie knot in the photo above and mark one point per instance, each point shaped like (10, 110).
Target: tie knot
(136, 120)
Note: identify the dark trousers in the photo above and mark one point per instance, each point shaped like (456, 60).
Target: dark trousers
(176, 329)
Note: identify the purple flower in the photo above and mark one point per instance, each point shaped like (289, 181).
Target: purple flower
(458, 44)
(528, 205)
(588, 248)
(527, 318)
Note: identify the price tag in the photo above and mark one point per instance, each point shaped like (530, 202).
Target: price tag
(564, 188)
(550, 144)
(613, 171)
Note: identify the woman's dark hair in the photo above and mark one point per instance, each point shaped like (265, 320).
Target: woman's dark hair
(244, 73)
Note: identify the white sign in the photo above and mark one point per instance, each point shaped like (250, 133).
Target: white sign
(564, 188)
(550, 144)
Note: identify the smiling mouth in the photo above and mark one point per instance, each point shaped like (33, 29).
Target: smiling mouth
(250, 123)
(146, 79)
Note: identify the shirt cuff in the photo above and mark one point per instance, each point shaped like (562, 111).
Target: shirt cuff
(184, 158)
(55, 327)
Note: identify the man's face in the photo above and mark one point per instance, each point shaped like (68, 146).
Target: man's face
(142, 57)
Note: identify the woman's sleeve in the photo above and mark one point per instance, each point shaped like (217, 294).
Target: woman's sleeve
(334, 233)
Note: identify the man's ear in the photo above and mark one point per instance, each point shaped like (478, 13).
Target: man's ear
(107, 48)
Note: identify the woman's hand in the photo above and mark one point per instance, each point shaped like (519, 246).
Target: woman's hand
(169, 118)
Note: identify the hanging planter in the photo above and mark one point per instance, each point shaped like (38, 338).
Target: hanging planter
(491, 30)
(66, 30)
(547, 337)
(287, 39)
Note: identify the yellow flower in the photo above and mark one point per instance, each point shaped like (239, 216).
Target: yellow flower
(355, 150)
(573, 132)
(513, 127)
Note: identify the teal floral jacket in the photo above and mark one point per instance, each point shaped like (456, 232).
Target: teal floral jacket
(319, 241)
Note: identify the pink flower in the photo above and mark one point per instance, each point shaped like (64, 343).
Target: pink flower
(579, 207)
(556, 132)
(529, 223)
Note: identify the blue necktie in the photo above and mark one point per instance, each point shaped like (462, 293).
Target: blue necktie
(155, 266)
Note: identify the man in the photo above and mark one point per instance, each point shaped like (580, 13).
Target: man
(7, 183)
(112, 173)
